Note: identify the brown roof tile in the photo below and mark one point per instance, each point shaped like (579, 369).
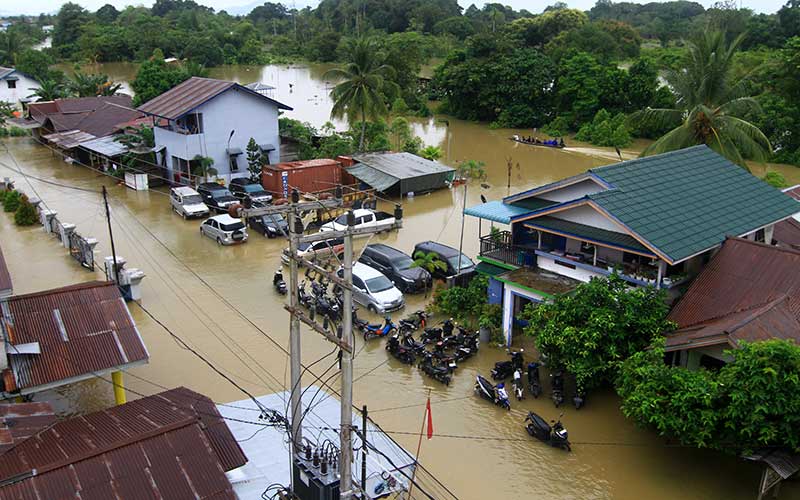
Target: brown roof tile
(81, 329)
(192, 93)
(148, 448)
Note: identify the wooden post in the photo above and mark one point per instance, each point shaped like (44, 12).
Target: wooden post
(594, 260)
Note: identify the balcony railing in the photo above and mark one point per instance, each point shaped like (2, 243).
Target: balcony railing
(498, 247)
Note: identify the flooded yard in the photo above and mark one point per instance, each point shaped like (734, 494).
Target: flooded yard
(221, 301)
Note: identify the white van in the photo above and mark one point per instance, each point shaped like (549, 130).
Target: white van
(373, 290)
(187, 202)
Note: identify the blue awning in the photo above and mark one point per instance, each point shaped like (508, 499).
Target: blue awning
(496, 211)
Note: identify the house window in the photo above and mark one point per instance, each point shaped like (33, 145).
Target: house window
(760, 235)
(12, 84)
(234, 162)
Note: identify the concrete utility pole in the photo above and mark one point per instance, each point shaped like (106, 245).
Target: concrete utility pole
(347, 341)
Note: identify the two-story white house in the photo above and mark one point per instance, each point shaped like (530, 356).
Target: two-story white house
(655, 221)
(203, 117)
(15, 87)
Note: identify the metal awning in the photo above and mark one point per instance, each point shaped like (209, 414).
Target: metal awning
(372, 177)
(68, 139)
(233, 151)
(490, 269)
(266, 147)
(106, 146)
(496, 211)
(25, 123)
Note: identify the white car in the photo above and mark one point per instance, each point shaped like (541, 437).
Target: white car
(224, 229)
(363, 219)
(187, 202)
(375, 291)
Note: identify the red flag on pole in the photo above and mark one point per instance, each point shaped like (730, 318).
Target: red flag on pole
(430, 419)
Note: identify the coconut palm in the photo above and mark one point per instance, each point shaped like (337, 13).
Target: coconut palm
(48, 90)
(203, 168)
(710, 105)
(430, 262)
(363, 86)
(431, 153)
(91, 84)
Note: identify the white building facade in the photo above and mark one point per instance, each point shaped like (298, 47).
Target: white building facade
(16, 87)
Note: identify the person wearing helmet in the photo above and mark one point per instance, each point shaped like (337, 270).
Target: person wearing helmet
(501, 392)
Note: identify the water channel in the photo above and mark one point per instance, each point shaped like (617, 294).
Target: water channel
(479, 451)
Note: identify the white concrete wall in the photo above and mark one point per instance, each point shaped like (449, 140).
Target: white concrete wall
(23, 88)
(578, 273)
(587, 215)
(508, 307)
(249, 115)
(573, 192)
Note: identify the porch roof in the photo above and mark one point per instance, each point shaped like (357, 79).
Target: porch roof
(489, 269)
(496, 211)
(587, 233)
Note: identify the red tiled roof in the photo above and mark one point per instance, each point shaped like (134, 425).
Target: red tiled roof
(154, 447)
(5, 276)
(749, 291)
(81, 329)
(188, 95)
(19, 421)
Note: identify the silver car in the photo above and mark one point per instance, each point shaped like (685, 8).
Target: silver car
(224, 229)
(375, 291)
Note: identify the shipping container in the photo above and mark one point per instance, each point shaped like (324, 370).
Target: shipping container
(308, 176)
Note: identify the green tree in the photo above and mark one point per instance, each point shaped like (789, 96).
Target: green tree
(155, 77)
(11, 201)
(710, 105)
(254, 160)
(49, 90)
(363, 82)
(26, 213)
(106, 14)
(465, 304)
(430, 262)
(432, 153)
(203, 168)
(90, 85)
(35, 63)
(68, 24)
(603, 322)
(400, 132)
(472, 169)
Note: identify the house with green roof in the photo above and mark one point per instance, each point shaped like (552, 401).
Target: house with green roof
(656, 221)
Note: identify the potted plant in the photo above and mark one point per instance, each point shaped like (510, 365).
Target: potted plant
(490, 321)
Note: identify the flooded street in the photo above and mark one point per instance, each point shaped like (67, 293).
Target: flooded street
(221, 301)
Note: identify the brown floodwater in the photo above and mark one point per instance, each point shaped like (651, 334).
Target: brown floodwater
(479, 451)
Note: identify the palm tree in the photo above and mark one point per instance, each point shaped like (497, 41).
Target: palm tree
(431, 153)
(430, 262)
(710, 105)
(49, 90)
(203, 168)
(363, 85)
(91, 84)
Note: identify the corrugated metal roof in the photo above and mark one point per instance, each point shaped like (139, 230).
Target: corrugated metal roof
(19, 421)
(749, 289)
(402, 165)
(80, 329)
(154, 447)
(69, 139)
(106, 146)
(187, 96)
(5, 276)
(297, 165)
(496, 211)
(787, 233)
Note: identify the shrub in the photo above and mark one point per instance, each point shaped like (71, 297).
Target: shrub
(464, 304)
(26, 213)
(11, 201)
(775, 179)
(558, 127)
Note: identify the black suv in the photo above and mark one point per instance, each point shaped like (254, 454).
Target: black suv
(448, 255)
(242, 188)
(216, 196)
(397, 266)
(269, 225)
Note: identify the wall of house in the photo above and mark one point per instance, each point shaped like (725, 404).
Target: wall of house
(573, 192)
(180, 145)
(24, 84)
(587, 215)
(578, 273)
(495, 291)
(609, 254)
(246, 114)
(509, 292)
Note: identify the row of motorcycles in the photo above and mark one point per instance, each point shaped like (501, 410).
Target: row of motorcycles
(552, 433)
(439, 349)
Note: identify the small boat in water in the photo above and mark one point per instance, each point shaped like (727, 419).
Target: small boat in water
(550, 143)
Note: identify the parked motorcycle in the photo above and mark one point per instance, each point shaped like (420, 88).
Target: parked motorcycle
(409, 343)
(278, 283)
(443, 358)
(396, 349)
(579, 400)
(555, 435)
(415, 321)
(438, 372)
(534, 383)
(431, 335)
(372, 331)
(304, 298)
(489, 392)
(448, 327)
(503, 369)
(557, 385)
(519, 390)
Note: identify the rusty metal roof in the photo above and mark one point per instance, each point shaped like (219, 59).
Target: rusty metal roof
(296, 165)
(19, 421)
(80, 330)
(749, 291)
(5, 276)
(787, 233)
(187, 96)
(154, 447)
